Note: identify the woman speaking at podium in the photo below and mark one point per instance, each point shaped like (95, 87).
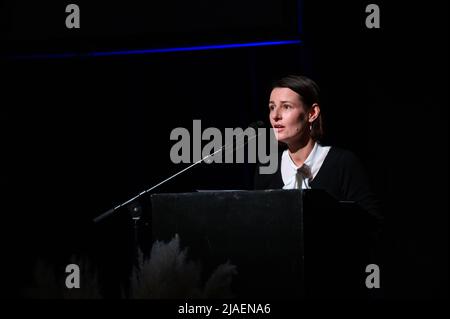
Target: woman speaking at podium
(295, 115)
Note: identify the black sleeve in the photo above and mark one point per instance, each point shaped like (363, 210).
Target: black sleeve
(356, 185)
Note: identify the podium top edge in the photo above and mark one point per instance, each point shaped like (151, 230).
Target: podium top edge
(224, 192)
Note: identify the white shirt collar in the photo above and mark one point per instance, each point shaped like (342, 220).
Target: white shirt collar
(293, 175)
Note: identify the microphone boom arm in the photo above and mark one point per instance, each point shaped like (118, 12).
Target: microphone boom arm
(112, 210)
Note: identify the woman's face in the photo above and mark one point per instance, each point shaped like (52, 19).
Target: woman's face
(287, 115)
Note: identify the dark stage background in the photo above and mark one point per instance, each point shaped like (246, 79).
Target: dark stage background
(83, 134)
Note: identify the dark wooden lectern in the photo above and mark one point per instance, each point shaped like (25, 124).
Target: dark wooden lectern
(284, 243)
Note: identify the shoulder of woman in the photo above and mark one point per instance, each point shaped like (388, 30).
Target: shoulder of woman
(343, 156)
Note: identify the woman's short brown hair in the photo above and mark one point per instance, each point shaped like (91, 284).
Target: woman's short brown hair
(309, 94)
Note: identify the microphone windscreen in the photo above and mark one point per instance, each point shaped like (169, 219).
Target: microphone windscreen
(257, 124)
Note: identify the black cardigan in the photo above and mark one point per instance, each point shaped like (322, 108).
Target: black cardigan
(341, 174)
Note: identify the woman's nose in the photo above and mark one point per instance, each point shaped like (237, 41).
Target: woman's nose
(276, 115)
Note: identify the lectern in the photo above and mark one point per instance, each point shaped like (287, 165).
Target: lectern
(284, 244)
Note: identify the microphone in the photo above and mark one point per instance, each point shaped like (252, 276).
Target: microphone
(255, 125)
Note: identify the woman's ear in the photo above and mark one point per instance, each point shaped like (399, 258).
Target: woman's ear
(313, 112)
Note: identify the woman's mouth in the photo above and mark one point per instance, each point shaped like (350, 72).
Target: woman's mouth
(278, 127)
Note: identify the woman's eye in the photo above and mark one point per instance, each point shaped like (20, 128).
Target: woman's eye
(286, 106)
